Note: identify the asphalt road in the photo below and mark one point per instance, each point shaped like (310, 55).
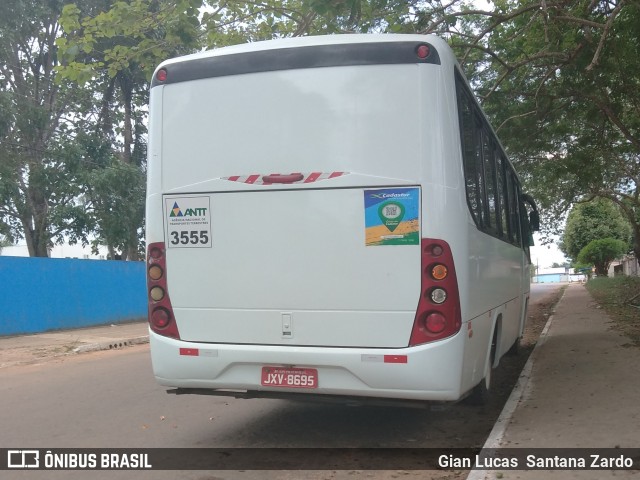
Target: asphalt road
(110, 399)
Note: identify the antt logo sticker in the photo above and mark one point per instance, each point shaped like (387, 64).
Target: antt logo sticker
(188, 222)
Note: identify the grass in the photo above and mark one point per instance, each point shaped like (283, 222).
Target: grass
(614, 296)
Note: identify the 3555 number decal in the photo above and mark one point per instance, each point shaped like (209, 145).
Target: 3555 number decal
(186, 237)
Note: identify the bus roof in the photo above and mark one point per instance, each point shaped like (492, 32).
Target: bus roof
(294, 42)
(355, 48)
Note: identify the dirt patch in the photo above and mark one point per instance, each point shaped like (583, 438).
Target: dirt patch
(11, 357)
(620, 298)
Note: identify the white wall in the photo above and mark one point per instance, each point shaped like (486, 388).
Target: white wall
(58, 251)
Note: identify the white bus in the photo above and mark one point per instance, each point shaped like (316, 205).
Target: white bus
(330, 218)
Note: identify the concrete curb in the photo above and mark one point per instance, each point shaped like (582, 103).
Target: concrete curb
(110, 345)
(52, 353)
(521, 391)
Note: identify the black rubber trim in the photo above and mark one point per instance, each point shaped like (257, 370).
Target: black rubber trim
(382, 53)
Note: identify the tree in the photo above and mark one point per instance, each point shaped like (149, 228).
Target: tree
(601, 253)
(591, 221)
(115, 197)
(4, 242)
(561, 82)
(111, 48)
(38, 174)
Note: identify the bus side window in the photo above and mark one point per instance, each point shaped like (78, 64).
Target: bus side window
(514, 208)
(502, 197)
(493, 202)
(472, 176)
(480, 173)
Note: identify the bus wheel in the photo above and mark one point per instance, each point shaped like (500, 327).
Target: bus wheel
(482, 392)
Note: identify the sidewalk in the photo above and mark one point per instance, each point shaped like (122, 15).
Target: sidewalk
(583, 391)
(30, 349)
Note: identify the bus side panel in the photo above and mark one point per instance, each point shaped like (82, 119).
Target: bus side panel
(492, 276)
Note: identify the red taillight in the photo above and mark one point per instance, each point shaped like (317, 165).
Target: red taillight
(438, 314)
(161, 75)
(422, 51)
(435, 323)
(161, 317)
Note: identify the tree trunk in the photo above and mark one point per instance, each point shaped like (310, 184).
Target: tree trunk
(126, 86)
(132, 248)
(602, 269)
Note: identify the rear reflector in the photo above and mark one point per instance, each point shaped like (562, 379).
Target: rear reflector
(395, 359)
(190, 352)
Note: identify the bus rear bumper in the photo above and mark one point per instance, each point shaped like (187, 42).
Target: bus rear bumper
(425, 372)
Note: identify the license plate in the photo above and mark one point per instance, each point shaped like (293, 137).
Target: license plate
(289, 377)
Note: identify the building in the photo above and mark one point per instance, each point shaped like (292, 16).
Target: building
(627, 265)
(557, 275)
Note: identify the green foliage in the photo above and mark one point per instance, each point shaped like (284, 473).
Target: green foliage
(121, 36)
(561, 83)
(114, 196)
(117, 195)
(601, 253)
(38, 176)
(111, 48)
(590, 221)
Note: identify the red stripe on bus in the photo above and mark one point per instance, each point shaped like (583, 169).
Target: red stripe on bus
(252, 178)
(313, 177)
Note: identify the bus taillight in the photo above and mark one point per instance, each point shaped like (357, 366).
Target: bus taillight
(438, 313)
(160, 312)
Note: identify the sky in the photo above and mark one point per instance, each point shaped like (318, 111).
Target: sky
(544, 256)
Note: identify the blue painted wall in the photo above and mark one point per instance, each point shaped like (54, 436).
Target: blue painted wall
(551, 278)
(40, 294)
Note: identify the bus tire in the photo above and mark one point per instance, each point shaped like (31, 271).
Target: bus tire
(481, 393)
